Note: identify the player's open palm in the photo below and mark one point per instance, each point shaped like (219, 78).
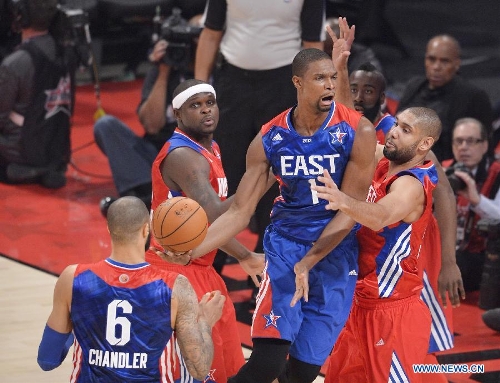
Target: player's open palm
(211, 305)
(342, 44)
(330, 192)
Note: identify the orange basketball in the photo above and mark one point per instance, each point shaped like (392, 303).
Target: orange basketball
(179, 224)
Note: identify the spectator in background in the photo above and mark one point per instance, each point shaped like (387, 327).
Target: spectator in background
(443, 90)
(36, 101)
(131, 156)
(251, 45)
(478, 194)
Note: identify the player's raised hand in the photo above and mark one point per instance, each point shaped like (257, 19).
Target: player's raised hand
(211, 305)
(341, 44)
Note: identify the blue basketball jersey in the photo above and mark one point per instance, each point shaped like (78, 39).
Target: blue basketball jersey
(297, 161)
(121, 318)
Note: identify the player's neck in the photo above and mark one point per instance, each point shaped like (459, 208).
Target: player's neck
(30, 33)
(307, 123)
(130, 255)
(395, 168)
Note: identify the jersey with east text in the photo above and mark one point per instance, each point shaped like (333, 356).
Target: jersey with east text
(121, 317)
(161, 192)
(390, 265)
(297, 161)
(382, 126)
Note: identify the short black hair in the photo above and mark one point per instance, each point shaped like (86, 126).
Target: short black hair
(306, 56)
(41, 13)
(369, 67)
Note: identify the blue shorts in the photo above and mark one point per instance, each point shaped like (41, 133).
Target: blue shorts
(312, 327)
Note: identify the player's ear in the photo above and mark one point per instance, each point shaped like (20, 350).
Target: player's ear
(297, 82)
(426, 143)
(145, 230)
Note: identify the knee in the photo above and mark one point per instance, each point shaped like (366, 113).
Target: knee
(104, 126)
(297, 371)
(266, 362)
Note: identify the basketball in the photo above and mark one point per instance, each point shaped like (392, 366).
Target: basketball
(179, 224)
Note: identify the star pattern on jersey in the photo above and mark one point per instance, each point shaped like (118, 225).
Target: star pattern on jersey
(210, 377)
(59, 99)
(338, 136)
(271, 319)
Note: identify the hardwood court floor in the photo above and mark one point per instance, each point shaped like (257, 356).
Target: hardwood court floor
(42, 231)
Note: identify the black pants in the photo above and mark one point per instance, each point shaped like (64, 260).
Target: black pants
(247, 100)
(471, 267)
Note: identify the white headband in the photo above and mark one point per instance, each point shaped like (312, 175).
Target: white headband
(185, 94)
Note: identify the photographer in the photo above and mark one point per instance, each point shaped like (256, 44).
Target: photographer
(130, 156)
(36, 101)
(475, 178)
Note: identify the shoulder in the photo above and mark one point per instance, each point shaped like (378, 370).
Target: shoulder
(66, 278)
(18, 61)
(281, 120)
(351, 116)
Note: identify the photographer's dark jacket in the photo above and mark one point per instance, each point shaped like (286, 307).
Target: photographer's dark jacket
(488, 183)
(35, 106)
(452, 101)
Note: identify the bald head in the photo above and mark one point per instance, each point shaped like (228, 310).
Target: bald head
(442, 60)
(126, 217)
(448, 42)
(427, 121)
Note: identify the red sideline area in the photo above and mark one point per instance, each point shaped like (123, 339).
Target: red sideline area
(50, 229)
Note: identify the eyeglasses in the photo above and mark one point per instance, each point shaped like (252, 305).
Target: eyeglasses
(469, 141)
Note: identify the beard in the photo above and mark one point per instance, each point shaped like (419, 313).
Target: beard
(400, 156)
(371, 113)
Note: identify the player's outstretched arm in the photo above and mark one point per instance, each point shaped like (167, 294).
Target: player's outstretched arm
(251, 188)
(57, 336)
(193, 322)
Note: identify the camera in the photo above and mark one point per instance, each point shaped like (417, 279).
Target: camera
(180, 36)
(490, 228)
(457, 183)
(70, 29)
(489, 293)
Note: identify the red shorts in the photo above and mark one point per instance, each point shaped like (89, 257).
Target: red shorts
(381, 340)
(228, 354)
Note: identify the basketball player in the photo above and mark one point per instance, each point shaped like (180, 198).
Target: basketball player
(297, 145)
(367, 86)
(389, 325)
(128, 318)
(189, 164)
